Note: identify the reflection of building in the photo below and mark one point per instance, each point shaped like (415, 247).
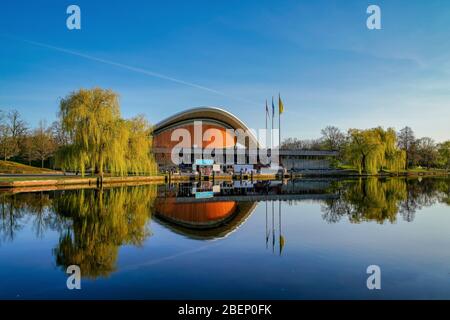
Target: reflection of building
(203, 220)
(213, 130)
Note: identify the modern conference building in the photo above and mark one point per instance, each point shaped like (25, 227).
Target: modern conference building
(215, 133)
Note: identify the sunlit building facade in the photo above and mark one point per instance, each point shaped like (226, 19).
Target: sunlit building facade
(214, 134)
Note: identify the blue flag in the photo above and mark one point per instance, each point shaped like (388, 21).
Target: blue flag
(273, 108)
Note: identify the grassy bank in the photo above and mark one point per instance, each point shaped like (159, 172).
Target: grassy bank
(10, 167)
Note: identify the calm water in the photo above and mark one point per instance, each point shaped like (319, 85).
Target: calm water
(301, 240)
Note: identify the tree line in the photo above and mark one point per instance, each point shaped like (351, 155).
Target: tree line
(89, 135)
(376, 149)
(22, 143)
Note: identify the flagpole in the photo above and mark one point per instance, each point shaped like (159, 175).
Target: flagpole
(279, 123)
(267, 111)
(271, 132)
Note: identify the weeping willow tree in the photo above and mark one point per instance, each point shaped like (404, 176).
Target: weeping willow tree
(101, 222)
(392, 158)
(363, 150)
(99, 139)
(140, 146)
(374, 149)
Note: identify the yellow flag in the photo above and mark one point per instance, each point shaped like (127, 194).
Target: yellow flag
(280, 105)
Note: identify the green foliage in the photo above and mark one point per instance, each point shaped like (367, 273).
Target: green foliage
(407, 142)
(373, 150)
(444, 154)
(427, 152)
(370, 199)
(140, 146)
(99, 139)
(101, 221)
(382, 200)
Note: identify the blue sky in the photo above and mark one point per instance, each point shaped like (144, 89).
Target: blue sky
(329, 68)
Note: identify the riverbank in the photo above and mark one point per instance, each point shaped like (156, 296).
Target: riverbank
(62, 181)
(354, 173)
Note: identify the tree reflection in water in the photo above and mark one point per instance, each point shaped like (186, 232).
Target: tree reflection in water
(92, 223)
(16, 208)
(101, 222)
(381, 200)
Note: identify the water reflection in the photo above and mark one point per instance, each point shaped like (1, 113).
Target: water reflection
(381, 200)
(203, 220)
(93, 224)
(16, 210)
(100, 222)
(272, 229)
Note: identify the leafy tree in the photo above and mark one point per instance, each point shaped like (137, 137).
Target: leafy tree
(444, 154)
(373, 150)
(392, 158)
(406, 142)
(362, 149)
(427, 151)
(139, 155)
(91, 119)
(99, 139)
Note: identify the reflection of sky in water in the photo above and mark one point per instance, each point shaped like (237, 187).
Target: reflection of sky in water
(319, 260)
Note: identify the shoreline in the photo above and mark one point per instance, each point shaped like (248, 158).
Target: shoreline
(65, 182)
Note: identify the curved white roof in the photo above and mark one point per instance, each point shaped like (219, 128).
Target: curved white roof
(200, 113)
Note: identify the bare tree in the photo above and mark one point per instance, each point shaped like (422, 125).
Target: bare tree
(43, 143)
(12, 131)
(297, 144)
(59, 135)
(332, 138)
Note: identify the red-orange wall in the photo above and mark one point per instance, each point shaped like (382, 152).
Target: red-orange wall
(163, 139)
